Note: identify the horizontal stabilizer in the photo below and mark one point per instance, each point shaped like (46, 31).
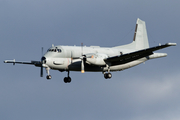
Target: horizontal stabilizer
(157, 55)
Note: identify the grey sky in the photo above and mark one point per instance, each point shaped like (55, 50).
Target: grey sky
(148, 91)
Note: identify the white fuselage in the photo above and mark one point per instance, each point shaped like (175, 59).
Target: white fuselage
(63, 60)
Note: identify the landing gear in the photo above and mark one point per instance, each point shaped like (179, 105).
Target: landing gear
(107, 75)
(67, 79)
(48, 76)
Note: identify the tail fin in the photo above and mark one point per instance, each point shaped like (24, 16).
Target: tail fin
(140, 35)
(140, 40)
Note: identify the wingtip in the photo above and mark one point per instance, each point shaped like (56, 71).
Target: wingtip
(9, 61)
(171, 44)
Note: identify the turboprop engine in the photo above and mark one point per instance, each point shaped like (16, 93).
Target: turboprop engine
(97, 59)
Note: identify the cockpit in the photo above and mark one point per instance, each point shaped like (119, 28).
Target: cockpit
(54, 50)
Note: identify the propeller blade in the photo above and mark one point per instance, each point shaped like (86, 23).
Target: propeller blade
(82, 66)
(41, 73)
(42, 51)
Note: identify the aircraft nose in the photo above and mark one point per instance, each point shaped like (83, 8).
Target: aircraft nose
(43, 60)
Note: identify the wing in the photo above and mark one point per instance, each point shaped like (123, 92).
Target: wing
(125, 58)
(36, 63)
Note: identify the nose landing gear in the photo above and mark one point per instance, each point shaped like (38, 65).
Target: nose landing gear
(48, 76)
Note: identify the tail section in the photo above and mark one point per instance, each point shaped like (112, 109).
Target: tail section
(140, 40)
(140, 35)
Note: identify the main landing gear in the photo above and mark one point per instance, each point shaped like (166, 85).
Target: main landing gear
(67, 79)
(107, 75)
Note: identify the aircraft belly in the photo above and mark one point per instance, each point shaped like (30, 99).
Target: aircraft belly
(125, 66)
(76, 66)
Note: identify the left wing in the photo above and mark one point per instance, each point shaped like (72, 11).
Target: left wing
(36, 63)
(125, 58)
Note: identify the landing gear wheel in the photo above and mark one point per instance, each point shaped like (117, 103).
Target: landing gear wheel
(48, 77)
(67, 79)
(107, 75)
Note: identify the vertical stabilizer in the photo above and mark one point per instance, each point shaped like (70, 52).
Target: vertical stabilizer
(140, 40)
(140, 35)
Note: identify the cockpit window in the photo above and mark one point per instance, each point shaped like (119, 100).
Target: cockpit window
(54, 50)
(59, 50)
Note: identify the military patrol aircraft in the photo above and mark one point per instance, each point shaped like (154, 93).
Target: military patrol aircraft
(99, 59)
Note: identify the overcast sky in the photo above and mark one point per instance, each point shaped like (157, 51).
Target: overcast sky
(149, 91)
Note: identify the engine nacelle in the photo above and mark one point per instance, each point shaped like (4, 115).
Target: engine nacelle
(97, 59)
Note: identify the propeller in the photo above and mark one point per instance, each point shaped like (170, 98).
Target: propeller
(41, 73)
(42, 61)
(82, 65)
(82, 59)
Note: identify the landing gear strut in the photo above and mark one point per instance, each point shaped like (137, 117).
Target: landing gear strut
(48, 76)
(67, 79)
(107, 75)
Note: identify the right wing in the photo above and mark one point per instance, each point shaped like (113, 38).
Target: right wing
(125, 58)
